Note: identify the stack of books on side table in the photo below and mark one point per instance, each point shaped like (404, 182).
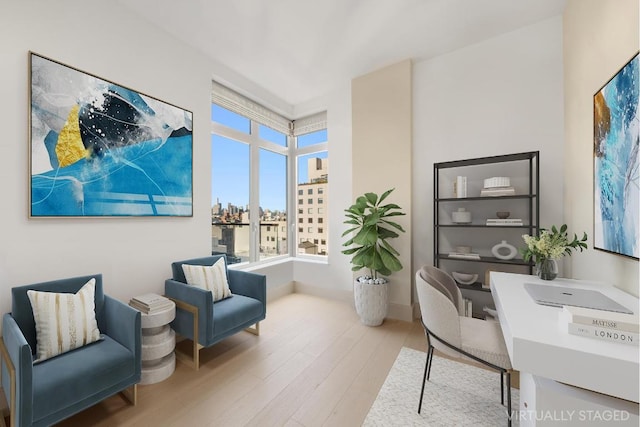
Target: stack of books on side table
(150, 303)
(600, 324)
(506, 221)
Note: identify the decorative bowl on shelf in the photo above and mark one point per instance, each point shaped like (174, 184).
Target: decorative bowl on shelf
(464, 278)
(503, 214)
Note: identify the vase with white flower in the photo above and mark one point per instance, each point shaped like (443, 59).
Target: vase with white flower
(548, 246)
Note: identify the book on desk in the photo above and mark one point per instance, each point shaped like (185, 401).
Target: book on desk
(600, 324)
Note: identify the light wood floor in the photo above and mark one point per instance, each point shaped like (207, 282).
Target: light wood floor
(314, 364)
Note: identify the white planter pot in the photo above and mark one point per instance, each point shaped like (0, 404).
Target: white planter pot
(372, 302)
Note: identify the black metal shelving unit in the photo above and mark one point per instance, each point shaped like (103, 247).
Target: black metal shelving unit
(532, 199)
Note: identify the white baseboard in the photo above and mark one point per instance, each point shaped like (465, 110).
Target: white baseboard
(280, 291)
(335, 294)
(396, 311)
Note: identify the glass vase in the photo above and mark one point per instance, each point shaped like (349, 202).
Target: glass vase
(547, 269)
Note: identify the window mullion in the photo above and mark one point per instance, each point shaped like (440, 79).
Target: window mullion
(254, 193)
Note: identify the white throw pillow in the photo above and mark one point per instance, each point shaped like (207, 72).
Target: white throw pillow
(209, 277)
(64, 321)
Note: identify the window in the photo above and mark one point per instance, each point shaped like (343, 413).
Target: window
(228, 214)
(312, 173)
(240, 148)
(253, 149)
(323, 242)
(272, 200)
(315, 241)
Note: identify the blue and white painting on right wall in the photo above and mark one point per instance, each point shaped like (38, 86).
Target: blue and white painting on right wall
(616, 130)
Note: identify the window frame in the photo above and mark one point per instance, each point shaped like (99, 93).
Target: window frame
(261, 116)
(255, 144)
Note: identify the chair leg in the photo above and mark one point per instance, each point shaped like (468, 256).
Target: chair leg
(131, 394)
(255, 330)
(430, 356)
(424, 378)
(501, 388)
(194, 359)
(12, 383)
(509, 398)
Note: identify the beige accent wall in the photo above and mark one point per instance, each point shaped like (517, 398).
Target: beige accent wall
(599, 38)
(381, 152)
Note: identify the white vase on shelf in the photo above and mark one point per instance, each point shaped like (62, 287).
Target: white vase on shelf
(504, 251)
(461, 216)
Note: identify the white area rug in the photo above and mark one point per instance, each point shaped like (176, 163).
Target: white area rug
(456, 394)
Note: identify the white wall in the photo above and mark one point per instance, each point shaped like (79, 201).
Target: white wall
(133, 254)
(381, 150)
(333, 277)
(500, 96)
(599, 38)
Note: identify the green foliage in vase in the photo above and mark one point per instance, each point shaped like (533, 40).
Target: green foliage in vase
(551, 244)
(369, 220)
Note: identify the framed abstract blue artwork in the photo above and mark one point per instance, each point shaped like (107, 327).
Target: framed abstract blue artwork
(616, 127)
(98, 149)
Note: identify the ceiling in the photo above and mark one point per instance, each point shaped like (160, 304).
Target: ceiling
(299, 50)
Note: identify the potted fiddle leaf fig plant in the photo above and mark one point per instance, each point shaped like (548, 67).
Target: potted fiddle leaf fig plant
(372, 227)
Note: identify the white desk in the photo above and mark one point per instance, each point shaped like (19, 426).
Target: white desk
(546, 355)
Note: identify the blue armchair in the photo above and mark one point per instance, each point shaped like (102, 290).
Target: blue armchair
(198, 316)
(52, 390)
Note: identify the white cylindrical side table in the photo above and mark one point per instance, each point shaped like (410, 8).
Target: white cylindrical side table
(158, 344)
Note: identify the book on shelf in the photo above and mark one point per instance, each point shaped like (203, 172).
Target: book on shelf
(463, 255)
(460, 187)
(149, 303)
(602, 319)
(468, 307)
(605, 334)
(498, 191)
(507, 221)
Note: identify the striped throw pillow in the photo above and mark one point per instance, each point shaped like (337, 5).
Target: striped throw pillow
(209, 277)
(64, 321)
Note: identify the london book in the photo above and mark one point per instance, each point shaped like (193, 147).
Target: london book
(612, 335)
(603, 319)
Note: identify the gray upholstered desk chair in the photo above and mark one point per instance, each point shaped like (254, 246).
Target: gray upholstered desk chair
(458, 336)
